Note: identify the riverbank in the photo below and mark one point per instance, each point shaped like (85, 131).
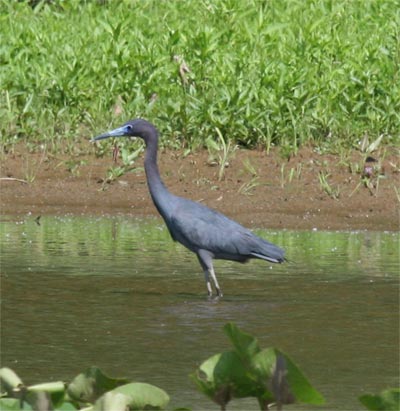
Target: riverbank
(308, 191)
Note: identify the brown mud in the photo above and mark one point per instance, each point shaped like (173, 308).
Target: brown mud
(258, 189)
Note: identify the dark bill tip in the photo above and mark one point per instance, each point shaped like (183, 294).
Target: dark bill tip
(118, 132)
(100, 137)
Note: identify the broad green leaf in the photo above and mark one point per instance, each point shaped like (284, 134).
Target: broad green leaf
(12, 404)
(9, 380)
(263, 363)
(142, 396)
(269, 375)
(55, 386)
(112, 401)
(204, 377)
(92, 384)
(284, 378)
(270, 370)
(39, 400)
(223, 377)
(299, 384)
(245, 344)
(66, 406)
(388, 400)
(56, 390)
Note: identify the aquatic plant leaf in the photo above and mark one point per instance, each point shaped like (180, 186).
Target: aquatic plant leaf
(204, 377)
(245, 344)
(283, 378)
(140, 396)
(388, 400)
(56, 391)
(39, 400)
(112, 401)
(12, 404)
(92, 384)
(300, 386)
(9, 381)
(271, 375)
(54, 386)
(223, 377)
(66, 406)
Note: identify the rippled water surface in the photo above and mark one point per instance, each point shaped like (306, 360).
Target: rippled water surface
(119, 294)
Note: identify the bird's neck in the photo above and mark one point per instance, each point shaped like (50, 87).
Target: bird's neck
(159, 193)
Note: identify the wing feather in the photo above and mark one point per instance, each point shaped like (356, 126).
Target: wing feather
(199, 227)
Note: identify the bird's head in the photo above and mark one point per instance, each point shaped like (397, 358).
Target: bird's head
(133, 128)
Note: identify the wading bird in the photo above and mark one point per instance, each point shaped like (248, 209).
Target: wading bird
(206, 232)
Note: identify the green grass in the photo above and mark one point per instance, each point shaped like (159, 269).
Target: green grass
(262, 73)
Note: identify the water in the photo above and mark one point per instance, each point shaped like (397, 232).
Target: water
(119, 294)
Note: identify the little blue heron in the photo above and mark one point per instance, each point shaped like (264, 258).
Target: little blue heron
(204, 231)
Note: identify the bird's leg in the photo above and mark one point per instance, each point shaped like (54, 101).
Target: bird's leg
(205, 259)
(215, 281)
(207, 273)
(208, 283)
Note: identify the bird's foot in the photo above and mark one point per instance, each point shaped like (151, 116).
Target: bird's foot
(214, 298)
(218, 295)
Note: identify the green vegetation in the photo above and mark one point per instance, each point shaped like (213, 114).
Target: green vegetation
(268, 375)
(323, 182)
(91, 390)
(219, 154)
(247, 371)
(261, 73)
(388, 400)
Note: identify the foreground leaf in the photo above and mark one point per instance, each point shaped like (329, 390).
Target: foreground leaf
(141, 396)
(92, 384)
(66, 406)
(245, 344)
(223, 377)
(9, 381)
(302, 389)
(12, 404)
(39, 401)
(268, 375)
(284, 379)
(112, 401)
(388, 400)
(56, 391)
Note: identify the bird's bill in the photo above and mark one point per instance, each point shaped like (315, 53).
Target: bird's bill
(118, 132)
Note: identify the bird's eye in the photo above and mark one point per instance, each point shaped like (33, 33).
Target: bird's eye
(128, 127)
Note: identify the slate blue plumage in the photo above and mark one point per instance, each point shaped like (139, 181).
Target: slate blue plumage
(206, 232)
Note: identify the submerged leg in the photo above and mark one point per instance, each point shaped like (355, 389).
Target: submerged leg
(214, 278)
(205, 259)
(208, 284)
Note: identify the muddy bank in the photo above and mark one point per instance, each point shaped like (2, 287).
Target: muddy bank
(258, 189)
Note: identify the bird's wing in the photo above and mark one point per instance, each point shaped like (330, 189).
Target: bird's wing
(198, 227)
